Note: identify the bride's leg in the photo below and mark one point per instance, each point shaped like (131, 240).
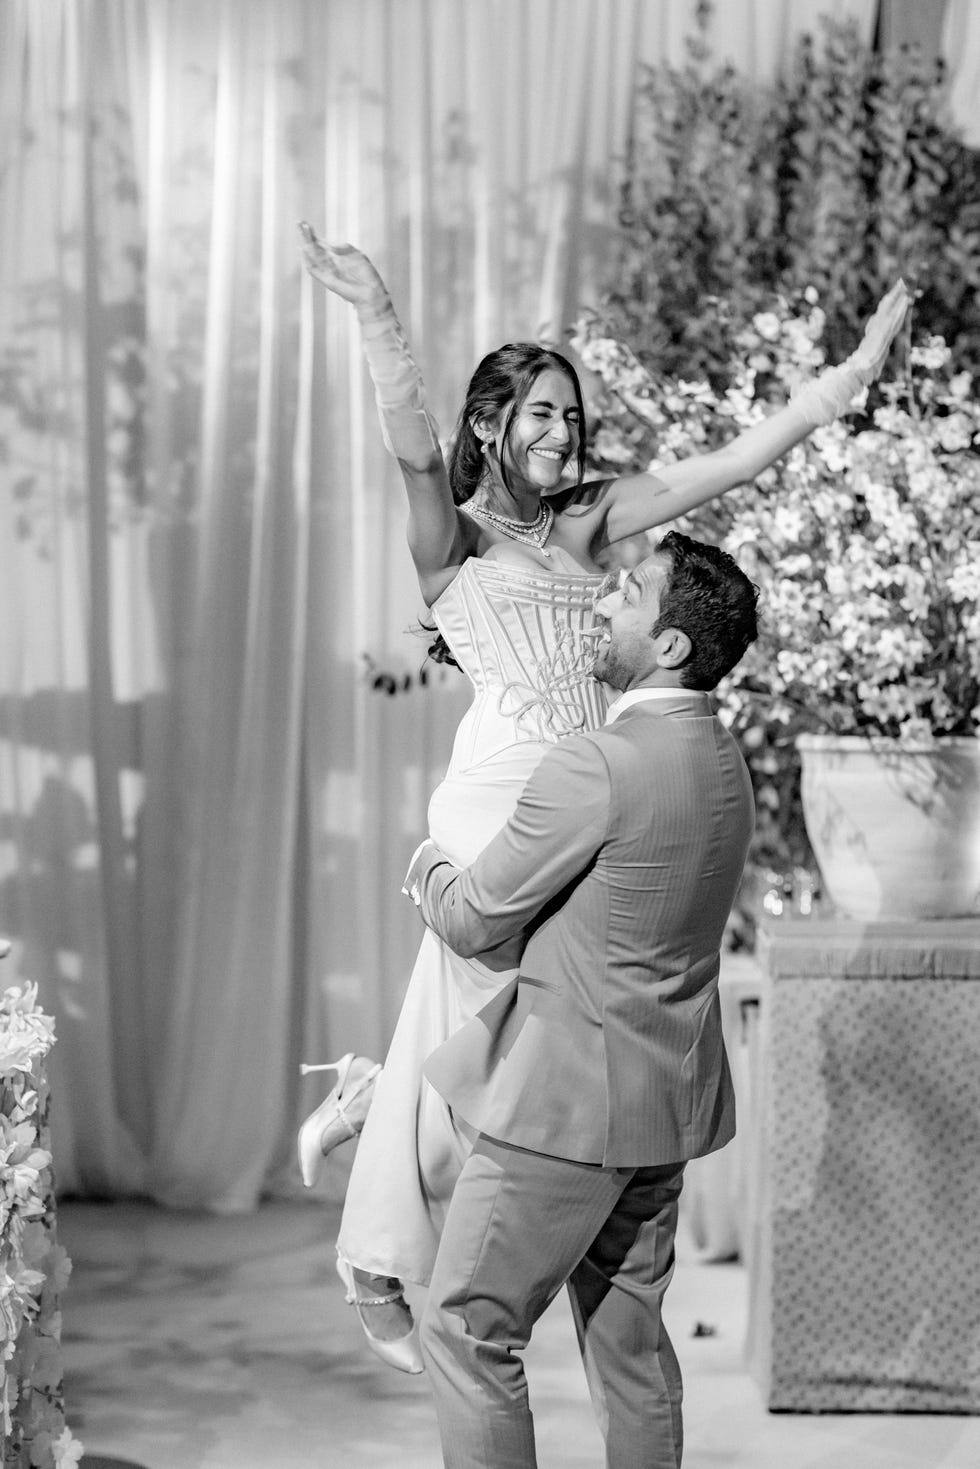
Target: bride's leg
(387, 1319)
(410, 1152)
(393, 1208)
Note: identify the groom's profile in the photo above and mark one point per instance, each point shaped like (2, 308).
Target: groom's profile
(600, 1070)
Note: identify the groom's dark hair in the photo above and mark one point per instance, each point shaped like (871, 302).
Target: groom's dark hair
(707, 596)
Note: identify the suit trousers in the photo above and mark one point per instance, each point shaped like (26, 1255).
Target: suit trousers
(521, 1224)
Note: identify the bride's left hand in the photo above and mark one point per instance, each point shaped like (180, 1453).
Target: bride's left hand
(881, 330)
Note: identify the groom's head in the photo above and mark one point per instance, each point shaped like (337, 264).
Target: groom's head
(682, 618)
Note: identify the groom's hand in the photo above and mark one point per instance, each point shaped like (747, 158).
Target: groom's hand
(425, 854)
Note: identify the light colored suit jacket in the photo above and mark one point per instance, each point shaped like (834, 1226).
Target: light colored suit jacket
(622, 861)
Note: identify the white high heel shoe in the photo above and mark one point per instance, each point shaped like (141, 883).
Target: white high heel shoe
(404, 1353)
(340, 1115)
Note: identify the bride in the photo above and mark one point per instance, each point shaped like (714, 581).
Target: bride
(507, 552)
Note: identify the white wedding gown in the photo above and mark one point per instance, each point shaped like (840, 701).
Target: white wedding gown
(515, 627)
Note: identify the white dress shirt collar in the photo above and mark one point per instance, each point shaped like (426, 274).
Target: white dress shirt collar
(639, 696)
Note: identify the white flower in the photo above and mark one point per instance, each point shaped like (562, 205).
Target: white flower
(884, 705)
(21, 1044)
(26, 1033)
(834, 451)
(955, 432)
(610, 447)
(836, 579)
(964, 580)
(19, 1000)
(881, 500)
(933, 355)
(67, 1450)
(801, 337)
(18, 1297)
(787, 523)
(799, 565)
(767, 324)
(699, 391)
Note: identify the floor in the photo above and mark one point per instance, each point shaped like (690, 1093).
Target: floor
(196, 1342)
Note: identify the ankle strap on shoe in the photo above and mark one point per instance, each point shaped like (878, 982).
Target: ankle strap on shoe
(356, 1300)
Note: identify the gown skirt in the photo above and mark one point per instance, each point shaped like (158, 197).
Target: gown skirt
(516, 629)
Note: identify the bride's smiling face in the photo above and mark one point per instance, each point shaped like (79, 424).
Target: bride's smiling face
(543, 434)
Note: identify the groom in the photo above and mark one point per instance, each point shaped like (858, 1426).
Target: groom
(596, 1074)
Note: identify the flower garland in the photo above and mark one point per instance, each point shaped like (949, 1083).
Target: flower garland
(34, 1268)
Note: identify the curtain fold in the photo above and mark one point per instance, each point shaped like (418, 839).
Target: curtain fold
(208, 789)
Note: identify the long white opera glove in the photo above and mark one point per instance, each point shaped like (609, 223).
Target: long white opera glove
(833, 391)
(407, 427)
(410, 432)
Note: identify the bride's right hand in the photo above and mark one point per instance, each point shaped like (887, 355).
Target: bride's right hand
(346, 271)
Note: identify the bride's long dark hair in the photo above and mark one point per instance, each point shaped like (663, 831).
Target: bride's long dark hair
(498, 390)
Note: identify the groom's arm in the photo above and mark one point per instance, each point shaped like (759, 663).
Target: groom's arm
(558, 826)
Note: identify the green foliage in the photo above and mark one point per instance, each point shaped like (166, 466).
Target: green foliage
(841, 176)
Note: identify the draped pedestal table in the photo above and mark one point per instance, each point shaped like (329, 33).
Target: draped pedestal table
(863, 1168)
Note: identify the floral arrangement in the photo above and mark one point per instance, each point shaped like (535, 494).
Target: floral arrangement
(864, 539)
(33, 1267)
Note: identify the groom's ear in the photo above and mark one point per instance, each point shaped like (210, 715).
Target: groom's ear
(674, 648)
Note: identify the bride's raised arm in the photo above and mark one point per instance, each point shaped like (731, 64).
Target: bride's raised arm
(641, 501)
(410, 432)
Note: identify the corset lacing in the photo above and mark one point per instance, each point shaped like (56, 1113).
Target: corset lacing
(551, 693)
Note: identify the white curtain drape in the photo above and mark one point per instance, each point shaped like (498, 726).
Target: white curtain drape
(205, 805)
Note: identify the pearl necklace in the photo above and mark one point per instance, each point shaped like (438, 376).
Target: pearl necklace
(532, 532)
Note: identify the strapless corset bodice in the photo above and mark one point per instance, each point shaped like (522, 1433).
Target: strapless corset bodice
(516, 629)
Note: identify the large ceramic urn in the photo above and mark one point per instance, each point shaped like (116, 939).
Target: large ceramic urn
(895, 828)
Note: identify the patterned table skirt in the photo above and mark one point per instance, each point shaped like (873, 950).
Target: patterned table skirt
(864, 1260)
